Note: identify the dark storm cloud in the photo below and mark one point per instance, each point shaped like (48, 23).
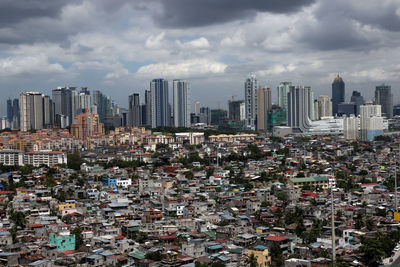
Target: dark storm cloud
(16, 11)
(194, 13)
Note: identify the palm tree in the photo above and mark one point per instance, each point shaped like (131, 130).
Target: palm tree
(251, 261)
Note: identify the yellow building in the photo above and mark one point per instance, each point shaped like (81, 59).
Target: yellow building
(261, 253)
(64, 206)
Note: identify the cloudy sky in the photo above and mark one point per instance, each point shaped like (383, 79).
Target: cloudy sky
(118, 46)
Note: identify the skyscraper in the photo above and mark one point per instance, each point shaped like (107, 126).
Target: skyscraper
(371, 122)
(322, 107)
(264, 104)
(9, 111)
(134, 113)
(250, 92)
(13, 113)
(338, 91)
(160, 108)
(66, 102)
(298, 105)
(350, 127)
(181, 92)
(34, 111)
(358, 100)
(384, 97)
(283, 90)
(196, 108)
(236, 112)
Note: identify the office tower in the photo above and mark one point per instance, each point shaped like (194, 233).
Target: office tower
(350, 127)
(134, 112)
(283, 90)
(298, 105)
(384, 97)
(9, 111)
(160, 108)
(322, 107)
(310, 94)
(338, 91)
(108, 111)
(146, 109)
(66, 102)
(48, 112)
(84, 100)
(264, 104)
(196, 108)
(205, 115)
(236, 111)
(181, 96)
(347, 109)
(250, 92)
(218, 117)
(371, 122)
(13, 116)
(276, 117)
(357, 99)
(86, 124)
(31, 111)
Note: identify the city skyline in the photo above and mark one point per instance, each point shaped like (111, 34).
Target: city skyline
(118, 48)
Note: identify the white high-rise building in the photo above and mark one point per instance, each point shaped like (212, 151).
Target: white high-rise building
(250, 92)
(196, 108)
(35, 111)
(371, 122)
(350, 127)
(181, 103)
(299, 101)
(322, 107)
(283, 90)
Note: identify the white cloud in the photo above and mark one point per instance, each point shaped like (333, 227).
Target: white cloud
(155, 41)
(12, 66)
(184, 69)
(200, 43)
(277, 69)
(117, 74)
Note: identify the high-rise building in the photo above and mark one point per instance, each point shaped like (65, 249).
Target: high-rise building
(250, 92)
(196, 108)
(205, 115)
(350, 127)
(236, 111)
(85, 125)
(346, 109)
(134, 113)
(283, 90)
(181, 96)
(338, 91)
(322, 107)
(84, 100)
(357, 99)
(384, 97)
(13, 116)
(264, 104)
(371, 122)
(48, 112)
(298, 105)
(34, 111)
(218, 117)
(147, 108)
(276, 117)
(160, 108)
(66, 102)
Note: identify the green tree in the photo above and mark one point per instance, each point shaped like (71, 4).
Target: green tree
(19, 218)
(74, 160)
(276, 254)
(251, 261)
(78, 237)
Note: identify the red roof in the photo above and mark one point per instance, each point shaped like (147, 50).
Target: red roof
(67, 252)
(119, 237)
(36, 225)
(276, 238)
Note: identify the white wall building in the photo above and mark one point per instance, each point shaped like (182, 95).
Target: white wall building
(350, 127)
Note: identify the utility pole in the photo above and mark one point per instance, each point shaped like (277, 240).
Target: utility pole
(333, 228)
